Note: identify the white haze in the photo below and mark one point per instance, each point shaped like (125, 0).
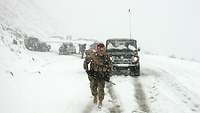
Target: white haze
(46, 82)
(162, 26)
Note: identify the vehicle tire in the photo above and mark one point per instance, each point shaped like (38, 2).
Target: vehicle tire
(132, 71)
(60, 53)
(137, 71)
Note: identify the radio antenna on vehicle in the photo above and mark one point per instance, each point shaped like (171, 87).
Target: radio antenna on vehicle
(130, 29)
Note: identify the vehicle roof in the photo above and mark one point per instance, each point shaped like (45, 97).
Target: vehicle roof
(127, 40)
(67, 43)
(120, 39)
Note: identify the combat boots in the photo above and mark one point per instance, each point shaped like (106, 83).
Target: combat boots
(95, 100)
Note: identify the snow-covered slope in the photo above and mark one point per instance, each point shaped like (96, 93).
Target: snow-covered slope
(26, 16)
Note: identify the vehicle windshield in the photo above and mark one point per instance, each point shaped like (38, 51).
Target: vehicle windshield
(68, 45)
(121, 45)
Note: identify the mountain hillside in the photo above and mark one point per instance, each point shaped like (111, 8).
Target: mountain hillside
(26, 16)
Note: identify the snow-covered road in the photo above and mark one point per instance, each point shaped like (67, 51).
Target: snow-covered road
(49, 83)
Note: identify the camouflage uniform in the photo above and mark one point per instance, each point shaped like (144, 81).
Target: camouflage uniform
(100, 68)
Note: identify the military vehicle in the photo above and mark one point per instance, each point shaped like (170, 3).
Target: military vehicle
(67, 49)
(34, 44)
(43, 47)
(124, 55)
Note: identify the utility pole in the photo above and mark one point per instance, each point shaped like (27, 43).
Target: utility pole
(130, 29)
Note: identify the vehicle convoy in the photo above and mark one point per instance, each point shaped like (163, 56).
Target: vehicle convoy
(34, 44)
(124, 55)
(67, 49)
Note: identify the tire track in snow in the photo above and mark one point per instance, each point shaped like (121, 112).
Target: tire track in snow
(188, 98)
(153, 91)
(89, 107)
(116, 107)
(140, 96)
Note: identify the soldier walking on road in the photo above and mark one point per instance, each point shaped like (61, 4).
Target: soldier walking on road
(98, 67)
(82, 48)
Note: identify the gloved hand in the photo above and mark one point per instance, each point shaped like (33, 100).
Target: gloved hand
(90, 72)
(107, 78)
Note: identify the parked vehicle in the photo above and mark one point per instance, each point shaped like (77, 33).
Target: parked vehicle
(67, 49)
(43, 47)
(124, 55)
(34, 44)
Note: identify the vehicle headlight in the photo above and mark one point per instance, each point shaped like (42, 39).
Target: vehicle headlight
(135, 59)
(111, 58)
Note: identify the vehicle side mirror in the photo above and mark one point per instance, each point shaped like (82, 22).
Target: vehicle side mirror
(138, 49)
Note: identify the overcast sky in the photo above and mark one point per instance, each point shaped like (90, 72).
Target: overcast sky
(162, 26)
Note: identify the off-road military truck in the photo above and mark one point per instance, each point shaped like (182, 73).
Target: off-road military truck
(124, 55)
(67, 49)
(34, 44)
